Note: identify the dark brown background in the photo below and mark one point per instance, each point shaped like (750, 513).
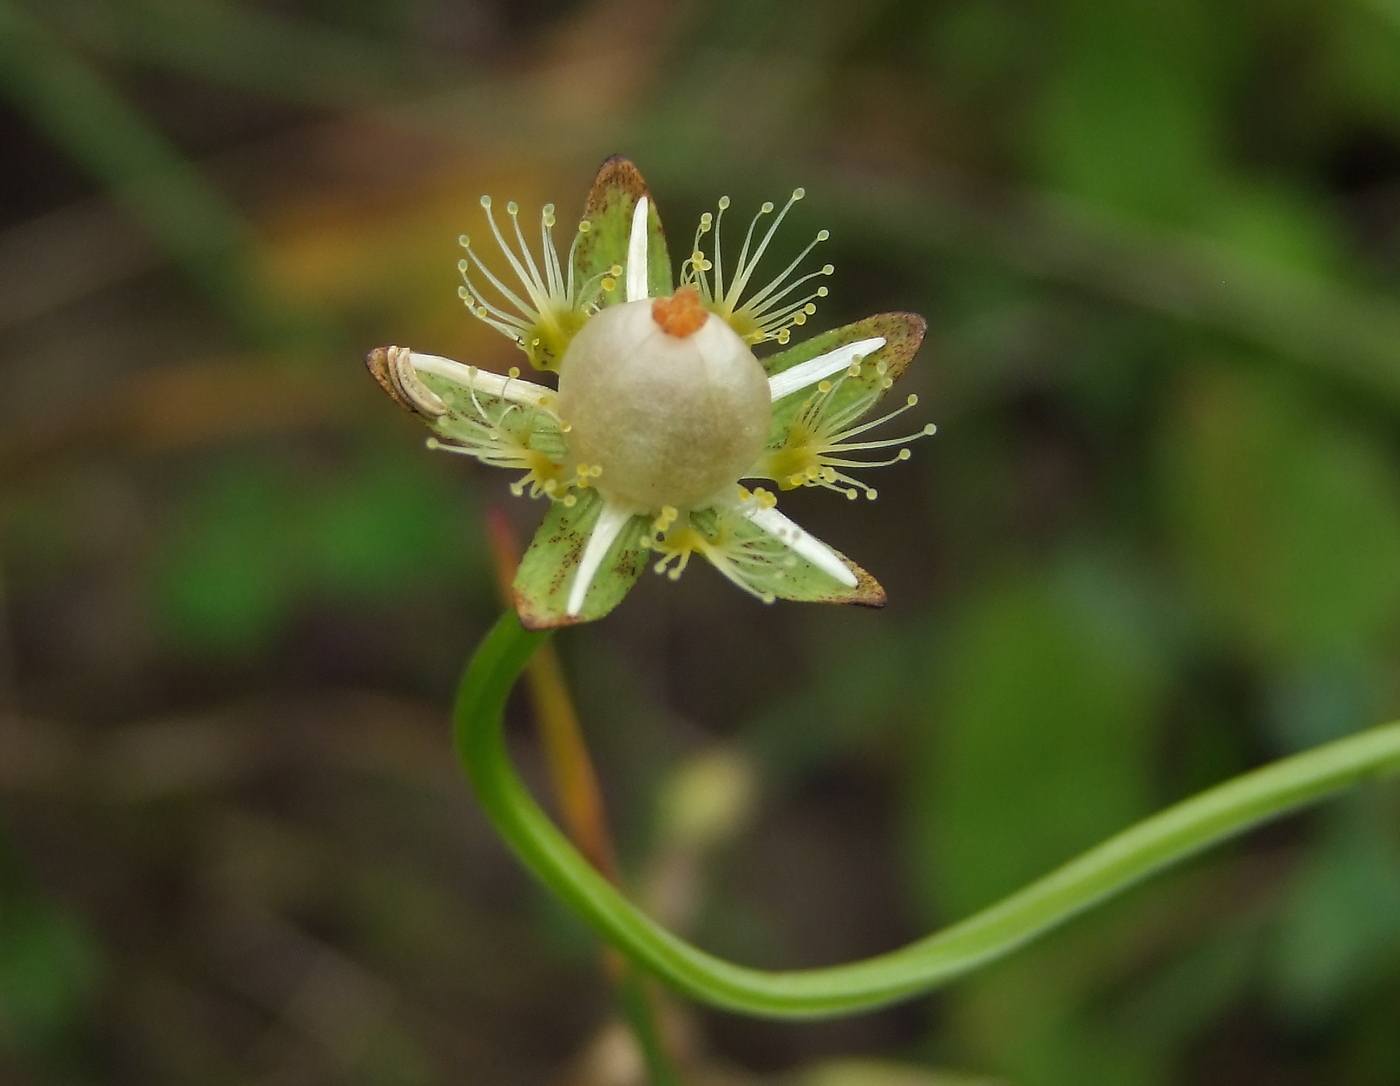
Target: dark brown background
(1156, 541)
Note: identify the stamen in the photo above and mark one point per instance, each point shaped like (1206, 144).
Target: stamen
(543, 316)
(719, 265)
(820, 437)
(767, 314)
(551, 255)
(501, 421)
(756, 561)
(525, 308)
(741, 276)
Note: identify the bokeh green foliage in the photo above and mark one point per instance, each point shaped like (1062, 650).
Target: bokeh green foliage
(1156, 540)
(257, 541)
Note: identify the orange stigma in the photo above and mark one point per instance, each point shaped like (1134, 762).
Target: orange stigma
(681, 314)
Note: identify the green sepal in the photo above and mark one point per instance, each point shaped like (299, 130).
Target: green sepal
(608, 213)
(775, 567)
(902, 332)
(546, 572)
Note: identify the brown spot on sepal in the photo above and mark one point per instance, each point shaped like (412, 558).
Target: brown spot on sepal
(608, 210)
(869, 592)
(630, 563)
(904, 334)
(616, 174)
(550, 561)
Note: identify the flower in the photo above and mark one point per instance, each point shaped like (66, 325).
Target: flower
(662, 412)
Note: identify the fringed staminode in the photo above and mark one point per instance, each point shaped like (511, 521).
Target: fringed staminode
(770, 312)
(555, 306)
(822, 437)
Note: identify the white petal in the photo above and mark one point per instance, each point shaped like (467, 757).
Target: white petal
(805, 545)
(637, 253)
(821, 367)
(610, 521)
(493, 384)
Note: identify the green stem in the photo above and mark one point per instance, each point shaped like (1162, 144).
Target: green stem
(1180, 831)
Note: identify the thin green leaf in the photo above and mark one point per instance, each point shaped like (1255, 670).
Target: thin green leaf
(265, 53)
(83, 113)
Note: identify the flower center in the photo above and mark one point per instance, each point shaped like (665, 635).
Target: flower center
(666, 400)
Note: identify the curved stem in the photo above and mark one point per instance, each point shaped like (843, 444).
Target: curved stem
(1175, 833)
(581, 807)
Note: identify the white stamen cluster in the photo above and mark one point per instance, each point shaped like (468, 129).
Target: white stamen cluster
(821, 437)
(770, 312)
(500, 421)
(554, 305)
(748, 557)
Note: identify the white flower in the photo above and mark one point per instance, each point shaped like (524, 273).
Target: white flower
(662, 409)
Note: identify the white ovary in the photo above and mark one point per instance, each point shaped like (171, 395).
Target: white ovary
(670, 420)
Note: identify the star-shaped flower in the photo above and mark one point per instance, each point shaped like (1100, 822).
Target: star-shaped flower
(662, 410)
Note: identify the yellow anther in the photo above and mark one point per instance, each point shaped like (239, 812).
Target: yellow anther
(757, 313)
(824, 435)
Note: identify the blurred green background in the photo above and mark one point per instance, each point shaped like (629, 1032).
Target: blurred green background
(1156, 541)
